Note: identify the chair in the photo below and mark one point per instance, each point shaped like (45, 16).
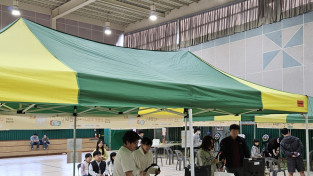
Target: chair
(169, 155)
(180, 158)
(156, 156)
(78, 167)
(272, 162)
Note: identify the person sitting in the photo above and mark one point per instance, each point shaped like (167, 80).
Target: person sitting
(102, 150)
(45, 142)
(110, 165)
(34, 140)
(97, 166)
(85, 165)
(205, 155)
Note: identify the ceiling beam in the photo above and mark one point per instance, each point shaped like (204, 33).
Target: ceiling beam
(69, 7)
(115, 9)
(102, 16)
(128, 6)
(112, 12)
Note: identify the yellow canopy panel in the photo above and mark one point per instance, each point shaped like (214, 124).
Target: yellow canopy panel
(25, 60)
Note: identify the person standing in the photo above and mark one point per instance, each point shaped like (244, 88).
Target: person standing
(124, 164)
(34, 140)
(234, 149)
(144, 158)
(141, 134)
(205, 155)
(196, 138)
(273, 147)
(292, 147)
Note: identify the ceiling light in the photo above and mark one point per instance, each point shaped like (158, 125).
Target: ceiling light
(153, 15)
(15, 10)
(107, 30)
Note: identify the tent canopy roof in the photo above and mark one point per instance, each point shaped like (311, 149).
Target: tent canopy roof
(49, 68)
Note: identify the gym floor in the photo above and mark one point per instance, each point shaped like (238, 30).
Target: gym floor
(53, 165)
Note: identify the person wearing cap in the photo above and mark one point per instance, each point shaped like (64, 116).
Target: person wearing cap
(234, 149)
(292, 147)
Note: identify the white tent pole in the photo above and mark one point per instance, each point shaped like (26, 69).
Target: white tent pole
(240, 127)
(74, 136)
(185, 142)
(254, 131)
(307, 144)
(192, 162)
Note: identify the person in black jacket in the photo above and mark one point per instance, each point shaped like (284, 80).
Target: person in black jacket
(234, 149)
(292, 148)
(273, 147)
(97, 166)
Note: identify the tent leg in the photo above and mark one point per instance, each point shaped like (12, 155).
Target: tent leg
(307, 144)
(74, 136)
(240, 127)
(254, 131)
(185, 119)
(192, 162)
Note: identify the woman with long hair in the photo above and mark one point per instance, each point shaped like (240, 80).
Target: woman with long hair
(205, 155)
(110, 165)
(101, 149)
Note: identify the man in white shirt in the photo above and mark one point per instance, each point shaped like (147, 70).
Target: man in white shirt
(196, 138)
(144, 158)
(97, 166)
(124, 164)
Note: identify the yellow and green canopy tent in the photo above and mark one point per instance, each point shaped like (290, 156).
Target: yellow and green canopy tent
(53, 72)
(257, 118)
(46, 71)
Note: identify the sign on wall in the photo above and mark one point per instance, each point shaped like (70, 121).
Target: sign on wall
(58, 121)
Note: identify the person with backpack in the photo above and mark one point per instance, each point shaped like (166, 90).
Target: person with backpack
(110, 165)
(292, 147)
(84, 167)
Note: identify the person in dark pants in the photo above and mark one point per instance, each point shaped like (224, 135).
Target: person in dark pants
(97, 166)
(234, 149)
(273, 147)
(34, 140)
(292, 147)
